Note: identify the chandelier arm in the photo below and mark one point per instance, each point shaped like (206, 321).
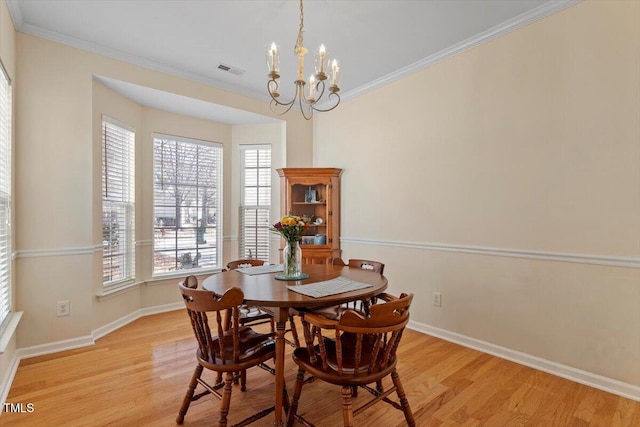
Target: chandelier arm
(288, 105)
(302, 109)
(319, 96)
(276, 103)
(274, 100)
(270, 91)
(321, 110)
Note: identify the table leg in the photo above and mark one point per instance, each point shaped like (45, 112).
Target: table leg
(281, 315)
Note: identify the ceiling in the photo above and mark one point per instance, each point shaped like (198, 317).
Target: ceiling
(376, 41)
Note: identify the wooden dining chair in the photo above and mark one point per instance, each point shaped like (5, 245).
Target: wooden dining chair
(361, 351)
(239, 263)
(365, 264)
(252, 315)
(334, 312)
(221, 349)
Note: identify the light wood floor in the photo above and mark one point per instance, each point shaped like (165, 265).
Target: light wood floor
(138, 375)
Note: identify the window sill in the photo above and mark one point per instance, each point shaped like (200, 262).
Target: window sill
(10, 330)
(163, 279)
(122, 288)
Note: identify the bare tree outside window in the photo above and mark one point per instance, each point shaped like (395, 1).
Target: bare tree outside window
(187, 199)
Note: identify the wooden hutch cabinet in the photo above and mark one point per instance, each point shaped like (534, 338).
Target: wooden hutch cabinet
(314, 193)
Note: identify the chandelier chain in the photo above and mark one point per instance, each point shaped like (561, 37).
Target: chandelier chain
(300, 31)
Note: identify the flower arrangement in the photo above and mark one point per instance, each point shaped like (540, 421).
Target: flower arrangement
(291, 227)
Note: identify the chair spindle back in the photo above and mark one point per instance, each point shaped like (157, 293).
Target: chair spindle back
(211, 347)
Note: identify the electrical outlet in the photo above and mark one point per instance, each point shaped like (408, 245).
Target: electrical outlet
(437, 299)
(64, 308)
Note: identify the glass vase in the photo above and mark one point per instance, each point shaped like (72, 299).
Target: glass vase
(292, 257)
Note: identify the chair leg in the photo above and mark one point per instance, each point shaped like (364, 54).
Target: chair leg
(354, 390)
(347, 410)
(190, 392)
(243, 380)
(226, 399)
(218, 377)
(408, 415)
(293, 409)
(294, 332)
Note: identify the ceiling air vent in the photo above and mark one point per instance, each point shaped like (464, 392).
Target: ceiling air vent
(230, 69)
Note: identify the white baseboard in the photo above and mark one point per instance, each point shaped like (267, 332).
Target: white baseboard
(146, 311)
(54, 347)
(70, 344)
(600, 382)
(37, 350)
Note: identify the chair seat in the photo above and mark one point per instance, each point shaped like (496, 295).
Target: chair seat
(252, 346)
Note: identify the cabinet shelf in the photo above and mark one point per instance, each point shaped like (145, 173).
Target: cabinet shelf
(309, 203)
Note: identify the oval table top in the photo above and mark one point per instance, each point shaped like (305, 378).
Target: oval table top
(266, 290)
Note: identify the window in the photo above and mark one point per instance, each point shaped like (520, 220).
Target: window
(118, 202)
(255, 206)
(5, 197)
(187, 205)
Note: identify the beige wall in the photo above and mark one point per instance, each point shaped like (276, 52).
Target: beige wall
(529, 142)
(57, 187)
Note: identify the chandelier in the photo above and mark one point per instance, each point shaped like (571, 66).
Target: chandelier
(307, 100)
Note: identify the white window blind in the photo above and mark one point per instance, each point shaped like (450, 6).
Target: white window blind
(187, 204)
(255, 209)
(118, 202)
(5, 197)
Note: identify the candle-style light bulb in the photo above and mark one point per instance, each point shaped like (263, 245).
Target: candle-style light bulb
(335, 70)
(272, 58)
(312, 88)
(322, 57)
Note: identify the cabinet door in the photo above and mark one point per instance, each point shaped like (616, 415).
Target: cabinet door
(310, 201)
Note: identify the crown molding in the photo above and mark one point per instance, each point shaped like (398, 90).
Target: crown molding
(126, 57)
(519, 21)
(526, 18)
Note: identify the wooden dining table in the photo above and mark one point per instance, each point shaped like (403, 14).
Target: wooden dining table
(265, 290)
